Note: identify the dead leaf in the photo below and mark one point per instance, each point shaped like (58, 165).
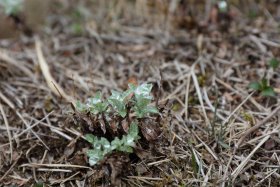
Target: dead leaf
(103, 126)
(269, 144)
(69, 151)
(149, 130)
(125, 126)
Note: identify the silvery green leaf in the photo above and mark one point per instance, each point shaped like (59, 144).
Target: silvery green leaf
(94, 156)
(96, 105)
(90, 138)
(101, 143)
(134, 130)
(131, 89)
(117, 101)
(129, 140)
(151, 109)
(81, 107)
(102, 146)
(143, 89)
(143, 100)
(118, 106)
(105, 143)
(116, 143)
(11, 7)
(142, 111)
(126, 148)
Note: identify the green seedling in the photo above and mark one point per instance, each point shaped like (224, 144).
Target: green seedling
(79, 16)
(11, 7)
(102, 147)
(263, 87)
(274, 63)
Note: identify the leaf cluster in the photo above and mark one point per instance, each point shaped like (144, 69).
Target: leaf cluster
(137, 97)
(102, 147)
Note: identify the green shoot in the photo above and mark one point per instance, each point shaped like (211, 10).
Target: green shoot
(102, 146)
(263, 87)
(274, 63)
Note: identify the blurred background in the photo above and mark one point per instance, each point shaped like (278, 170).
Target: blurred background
(94, 16)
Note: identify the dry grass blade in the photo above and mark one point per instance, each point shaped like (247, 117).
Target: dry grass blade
(237, 171)
(5, 57)
(31, 127)
(10, 169)
(55, 170)
(37, 165)
(146, 178)
(272, 172)
(207, 176)
(254, 128)
(199, 94)
(7, 101)
(8, 131)
(237, 108)
(187, 96)
(277, 90)
(52, 84)
(53, 128)
(12, 106)
(207, 147)
(67, 179)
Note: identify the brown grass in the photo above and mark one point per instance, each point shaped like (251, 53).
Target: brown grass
(214, 130)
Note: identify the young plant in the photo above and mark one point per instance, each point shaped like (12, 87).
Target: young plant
(262, 85)
(102, 147)
(136, 98)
